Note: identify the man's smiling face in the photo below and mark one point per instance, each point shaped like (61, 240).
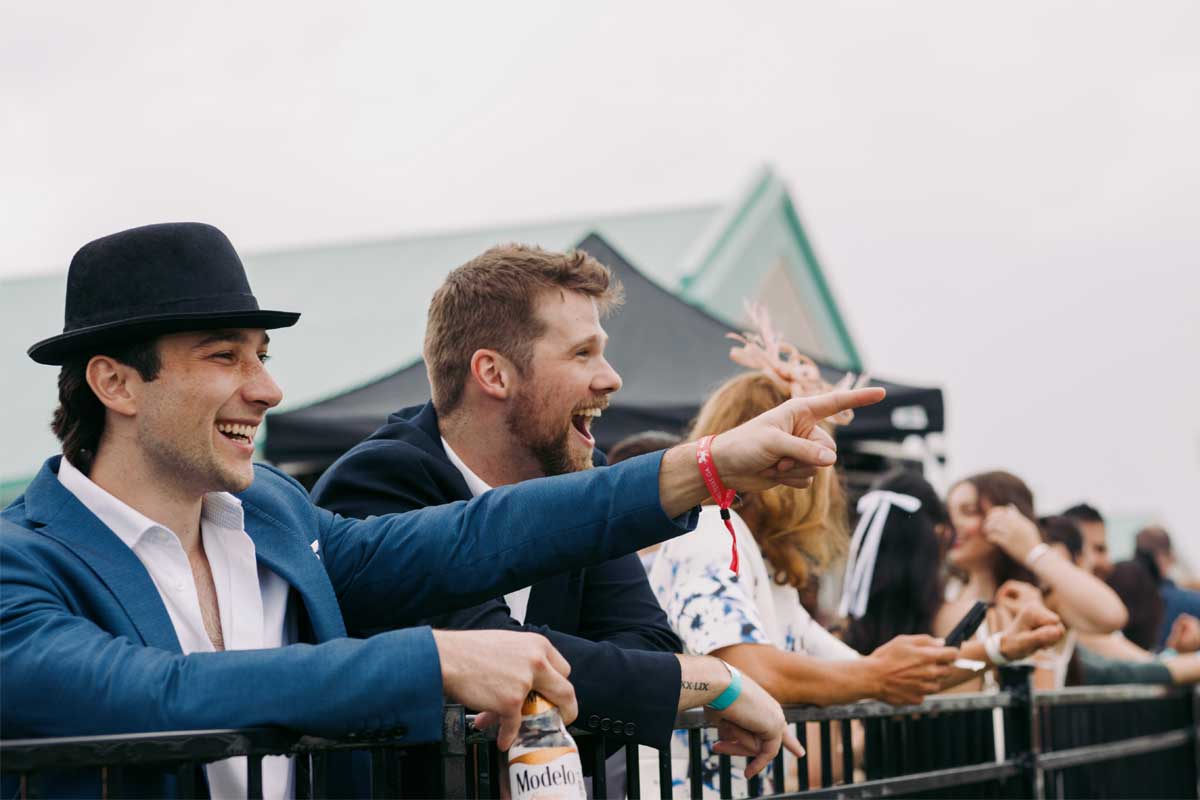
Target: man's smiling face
(198, 418)
(565, 386)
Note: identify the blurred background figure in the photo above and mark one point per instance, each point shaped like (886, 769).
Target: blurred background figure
(1095, 538)
(1155, 543)
(1100, 659)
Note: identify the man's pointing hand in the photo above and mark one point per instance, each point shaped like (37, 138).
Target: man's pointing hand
(785, 445)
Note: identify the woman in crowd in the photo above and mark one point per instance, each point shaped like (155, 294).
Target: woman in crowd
(754, 620)
(999, 549)
(896, 579)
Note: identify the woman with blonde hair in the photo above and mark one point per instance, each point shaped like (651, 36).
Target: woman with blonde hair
(754, 619)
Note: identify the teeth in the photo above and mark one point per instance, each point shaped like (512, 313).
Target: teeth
(247, 431)
(589, 412)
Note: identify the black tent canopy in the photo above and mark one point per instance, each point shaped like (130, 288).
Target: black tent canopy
(670, 355)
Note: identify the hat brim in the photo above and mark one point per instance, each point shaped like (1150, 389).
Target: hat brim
(57, 349)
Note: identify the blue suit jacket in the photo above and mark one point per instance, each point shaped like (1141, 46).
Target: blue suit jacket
(604, 619)
(87, 647)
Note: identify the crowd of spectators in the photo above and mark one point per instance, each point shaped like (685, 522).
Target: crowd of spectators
(153, 579)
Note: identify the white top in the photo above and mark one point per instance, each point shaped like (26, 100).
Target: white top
(251, 598)
(709, 607)
(518, 601)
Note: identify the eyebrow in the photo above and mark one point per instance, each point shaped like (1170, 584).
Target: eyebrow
(595, 338)
(236, 337)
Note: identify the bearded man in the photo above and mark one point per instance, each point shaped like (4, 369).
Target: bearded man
(515, 354)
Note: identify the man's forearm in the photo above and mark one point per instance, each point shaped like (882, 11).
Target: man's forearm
(680, 486)
(701, 680)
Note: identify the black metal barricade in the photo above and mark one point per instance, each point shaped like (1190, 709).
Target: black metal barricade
(1122, 741)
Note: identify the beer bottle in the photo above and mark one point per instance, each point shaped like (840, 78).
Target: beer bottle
(543, 763)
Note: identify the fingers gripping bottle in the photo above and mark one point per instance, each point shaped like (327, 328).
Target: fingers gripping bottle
(543, 763)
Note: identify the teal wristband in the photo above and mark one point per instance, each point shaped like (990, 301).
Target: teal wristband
(732, 692)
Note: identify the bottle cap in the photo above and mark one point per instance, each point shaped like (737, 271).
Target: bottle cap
(535, 704)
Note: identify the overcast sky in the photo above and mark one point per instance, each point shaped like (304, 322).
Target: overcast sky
(1005, 199)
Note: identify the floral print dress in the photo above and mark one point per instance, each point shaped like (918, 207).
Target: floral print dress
(709, 607)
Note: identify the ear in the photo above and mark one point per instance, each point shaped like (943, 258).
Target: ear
(494, 374)
(115, 384)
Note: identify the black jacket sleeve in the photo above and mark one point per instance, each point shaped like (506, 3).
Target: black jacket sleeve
(613, 683)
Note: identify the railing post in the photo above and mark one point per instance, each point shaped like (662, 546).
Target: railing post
(453, 776)
(1021, 730)
(1196, 736)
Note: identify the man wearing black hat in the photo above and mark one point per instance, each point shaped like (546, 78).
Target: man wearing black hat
(153, 544)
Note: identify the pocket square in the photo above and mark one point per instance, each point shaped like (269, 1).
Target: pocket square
(316, 546)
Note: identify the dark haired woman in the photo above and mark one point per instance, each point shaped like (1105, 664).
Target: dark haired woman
(906, 581)
(999, 548)
(895, 577)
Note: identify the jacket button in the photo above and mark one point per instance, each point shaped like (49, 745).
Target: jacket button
(594, 721)
(605, 724)
(618, 726)
(630, 728)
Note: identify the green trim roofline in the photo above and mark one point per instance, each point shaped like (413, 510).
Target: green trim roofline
(818, 276)
(706, 253)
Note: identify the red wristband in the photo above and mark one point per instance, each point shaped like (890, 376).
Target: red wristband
(722, 495)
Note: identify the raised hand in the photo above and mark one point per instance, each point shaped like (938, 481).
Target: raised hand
(1012, 531)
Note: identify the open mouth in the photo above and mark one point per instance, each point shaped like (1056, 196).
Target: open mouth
(242, 434)
(582, 423)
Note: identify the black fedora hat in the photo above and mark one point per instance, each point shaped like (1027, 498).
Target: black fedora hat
(144, 282)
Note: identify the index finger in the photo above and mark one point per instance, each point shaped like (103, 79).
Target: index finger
(557, 661)
(830, 403)
(944, 655)
(554, 686)
(770, 746)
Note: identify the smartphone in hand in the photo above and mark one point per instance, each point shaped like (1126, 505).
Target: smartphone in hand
(968, 624)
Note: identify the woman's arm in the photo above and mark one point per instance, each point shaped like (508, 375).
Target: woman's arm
(1084, 602)
(1184, 669)
(900, 672)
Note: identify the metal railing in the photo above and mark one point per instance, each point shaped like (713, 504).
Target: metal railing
(1122, 741)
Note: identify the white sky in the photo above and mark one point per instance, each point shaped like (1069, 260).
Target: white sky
(1005, 198)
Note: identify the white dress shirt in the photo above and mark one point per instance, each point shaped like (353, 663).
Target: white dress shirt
(251, 598)
(518, 601)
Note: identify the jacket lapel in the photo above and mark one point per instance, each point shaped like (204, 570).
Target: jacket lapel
(286, 553)
(58, 514)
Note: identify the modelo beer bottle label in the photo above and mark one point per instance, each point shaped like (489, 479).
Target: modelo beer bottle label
(543, 763)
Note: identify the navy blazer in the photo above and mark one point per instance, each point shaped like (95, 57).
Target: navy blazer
(604, 619)
(87, 647)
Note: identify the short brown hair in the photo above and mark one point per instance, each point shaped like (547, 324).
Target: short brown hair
(489, 302)
(800, 531)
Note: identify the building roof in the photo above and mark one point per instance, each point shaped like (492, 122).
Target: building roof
(671, 356)
(364, 303)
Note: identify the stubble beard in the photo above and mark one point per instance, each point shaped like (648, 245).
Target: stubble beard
(549, 445)
(191, 466)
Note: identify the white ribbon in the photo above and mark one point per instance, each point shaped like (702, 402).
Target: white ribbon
(873, 509)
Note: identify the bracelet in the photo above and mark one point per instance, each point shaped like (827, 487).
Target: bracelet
(1040, 549)
(732, 692)
(720, 493)
(991, 646)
